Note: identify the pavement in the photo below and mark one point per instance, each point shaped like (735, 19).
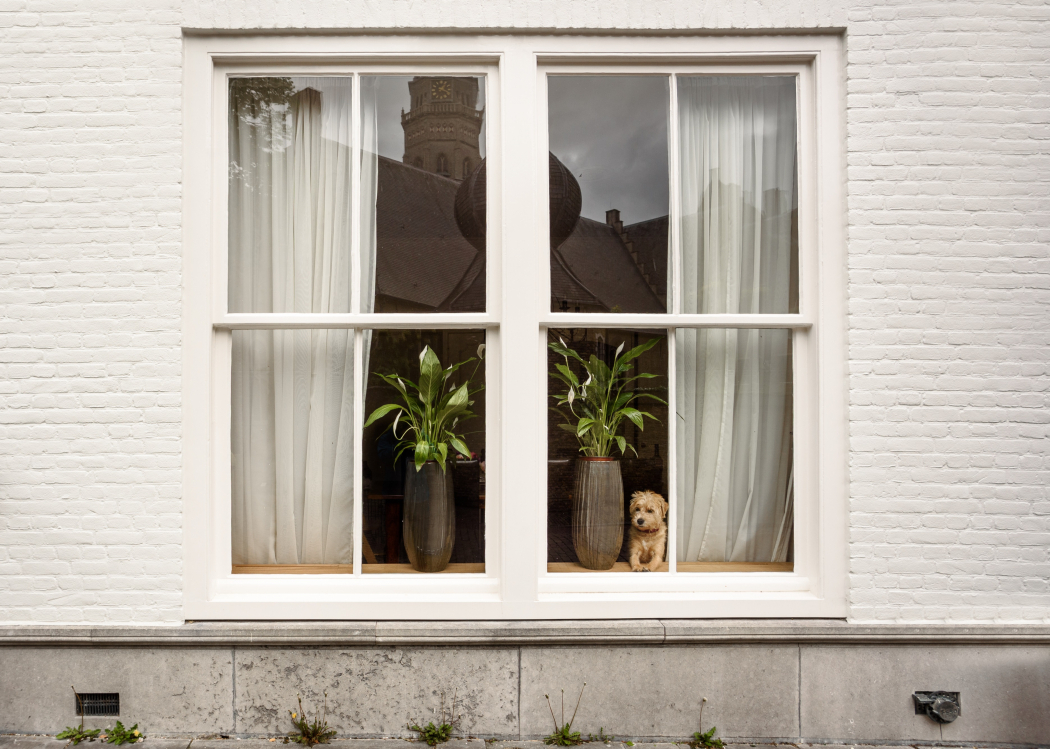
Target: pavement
(11, 741)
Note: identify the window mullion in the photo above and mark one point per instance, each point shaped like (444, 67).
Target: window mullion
(522, 366)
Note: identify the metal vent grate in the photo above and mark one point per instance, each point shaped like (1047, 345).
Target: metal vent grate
(98, 703)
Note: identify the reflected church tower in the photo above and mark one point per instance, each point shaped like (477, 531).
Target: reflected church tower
(443, 126)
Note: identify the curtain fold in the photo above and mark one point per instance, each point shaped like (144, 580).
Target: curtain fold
(369, 195)
(738, 194)
(292, 391)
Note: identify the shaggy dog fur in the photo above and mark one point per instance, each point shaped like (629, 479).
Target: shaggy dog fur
(648, 537)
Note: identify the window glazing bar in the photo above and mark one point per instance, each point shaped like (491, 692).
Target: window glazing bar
(300, 321)
(613, 320)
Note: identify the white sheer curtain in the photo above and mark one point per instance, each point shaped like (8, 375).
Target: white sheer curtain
(738, 183)
(289, 246)
(369, 195)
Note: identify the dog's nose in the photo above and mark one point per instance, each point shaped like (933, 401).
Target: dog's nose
(640, 521)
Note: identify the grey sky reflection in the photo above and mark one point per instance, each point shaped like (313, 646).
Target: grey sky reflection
(611, 132)
(391, 97)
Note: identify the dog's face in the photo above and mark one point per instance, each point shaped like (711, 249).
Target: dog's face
(648, 510)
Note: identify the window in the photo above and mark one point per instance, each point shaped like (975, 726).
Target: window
(676, 201)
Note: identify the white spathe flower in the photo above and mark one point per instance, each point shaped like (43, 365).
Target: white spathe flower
(481, 351)
(561, 341)
(572, 396)
(396, 419)
(423, 353)
(618, 350)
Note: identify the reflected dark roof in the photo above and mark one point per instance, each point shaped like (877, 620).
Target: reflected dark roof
(424, 260)
(650, 243)
(597, 257)
(422, 256)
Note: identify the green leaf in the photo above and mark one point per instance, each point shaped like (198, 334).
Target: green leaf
(584, 426)
(459, 446)
(568, 374)
(430, 379)
(383, 411)
(422, 453)
(557, 348)
(635, 353)
(442, 455)
(622, 444)
(635, 416)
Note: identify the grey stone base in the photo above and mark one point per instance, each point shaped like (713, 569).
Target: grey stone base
(760, 689)
(46, 742)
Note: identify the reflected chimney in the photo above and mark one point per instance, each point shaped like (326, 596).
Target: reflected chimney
(612, 218)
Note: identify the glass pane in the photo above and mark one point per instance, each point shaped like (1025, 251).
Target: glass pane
(292, 444)
(422, 519)
(735, 435)
(607, 489)
(423, 194)
(739, 193)
(608, 192)
(289, 194)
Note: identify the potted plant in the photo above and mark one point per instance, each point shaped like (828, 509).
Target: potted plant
(430, 412)
(594, 410)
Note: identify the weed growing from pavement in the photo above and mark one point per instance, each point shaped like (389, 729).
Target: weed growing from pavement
(442, 732)
(563, 734)
(707, 739)
(312, 732)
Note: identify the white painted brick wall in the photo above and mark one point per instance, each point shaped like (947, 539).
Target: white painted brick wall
(948, 112)
(90, 212)
(949, 213)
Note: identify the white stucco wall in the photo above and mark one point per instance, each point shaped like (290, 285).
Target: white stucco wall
(948, 154)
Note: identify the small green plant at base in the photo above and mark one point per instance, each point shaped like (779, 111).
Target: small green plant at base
(118, 734)
(629, 743)
(563, 734)
(602, 736)
(309, 732)
(77, 734)
(707, 739)
(442, 732)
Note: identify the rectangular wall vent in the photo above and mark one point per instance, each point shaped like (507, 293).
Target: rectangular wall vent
(98, 703)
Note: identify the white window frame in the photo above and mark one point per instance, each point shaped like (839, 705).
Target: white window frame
(515, 584)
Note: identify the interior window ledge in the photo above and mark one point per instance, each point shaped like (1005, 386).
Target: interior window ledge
(539, 632)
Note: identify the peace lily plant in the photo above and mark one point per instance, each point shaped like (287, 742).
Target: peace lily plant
(594, 409)
(430, 412)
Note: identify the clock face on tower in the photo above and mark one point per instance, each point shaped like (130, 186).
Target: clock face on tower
(440, 89)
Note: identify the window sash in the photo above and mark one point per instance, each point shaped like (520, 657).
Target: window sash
(512, 587)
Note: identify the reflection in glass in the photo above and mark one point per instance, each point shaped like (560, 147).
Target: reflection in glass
(735, 469)
(385, 473)
(609, 133)
(423, 140)
(289, 194)
(739, 194)
(640, 467)
(292, 447)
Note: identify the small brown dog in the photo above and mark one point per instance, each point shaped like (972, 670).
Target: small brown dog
(648, 538)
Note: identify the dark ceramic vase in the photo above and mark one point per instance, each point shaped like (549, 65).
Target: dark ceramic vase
(430, 517)
(597, 512)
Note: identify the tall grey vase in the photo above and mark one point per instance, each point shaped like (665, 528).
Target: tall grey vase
(430, 517)
(597, 512)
